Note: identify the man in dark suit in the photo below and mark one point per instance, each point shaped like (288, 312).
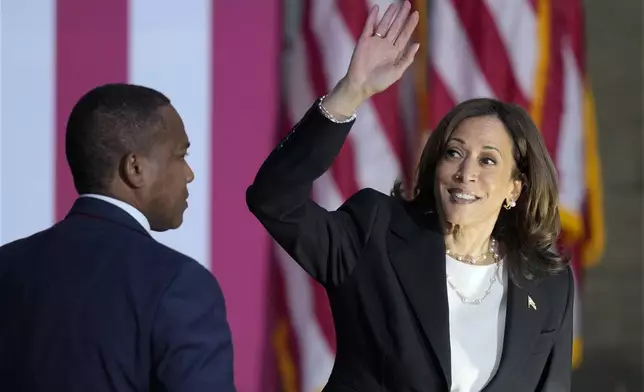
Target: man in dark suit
(94, 303)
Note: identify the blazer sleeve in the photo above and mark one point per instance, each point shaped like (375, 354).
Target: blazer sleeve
(191, 340)
(557, 377)
(327, 244)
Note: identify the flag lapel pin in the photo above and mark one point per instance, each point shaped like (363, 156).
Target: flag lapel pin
(531, 303)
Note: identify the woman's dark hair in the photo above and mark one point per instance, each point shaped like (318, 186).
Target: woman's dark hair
(529, 231)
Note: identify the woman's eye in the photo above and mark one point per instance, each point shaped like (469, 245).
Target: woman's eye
(452, 153)
(488, 161)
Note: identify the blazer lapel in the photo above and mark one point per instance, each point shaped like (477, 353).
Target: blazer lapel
(525, 314)
(415, 252)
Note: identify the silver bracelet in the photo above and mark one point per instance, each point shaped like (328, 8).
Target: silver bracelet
(330, 116)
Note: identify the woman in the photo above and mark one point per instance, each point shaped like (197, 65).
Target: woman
(454, 289)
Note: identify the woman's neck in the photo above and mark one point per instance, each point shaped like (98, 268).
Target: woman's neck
(468, 241)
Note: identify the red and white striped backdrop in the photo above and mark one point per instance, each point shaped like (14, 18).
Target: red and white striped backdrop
(53, 56)
(526, 51)
(203, 56)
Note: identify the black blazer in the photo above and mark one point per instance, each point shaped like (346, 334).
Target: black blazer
(384, 272)
(96, 304)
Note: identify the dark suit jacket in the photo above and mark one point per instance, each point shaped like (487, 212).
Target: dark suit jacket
(383, 268)
(96, 304)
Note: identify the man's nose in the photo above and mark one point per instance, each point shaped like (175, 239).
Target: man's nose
(191, 175)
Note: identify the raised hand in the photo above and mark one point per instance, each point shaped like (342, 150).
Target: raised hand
(379, 59)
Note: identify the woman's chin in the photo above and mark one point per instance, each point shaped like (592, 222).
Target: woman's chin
(456, 216)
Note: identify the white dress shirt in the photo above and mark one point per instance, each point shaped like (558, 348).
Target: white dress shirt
(476, 331)
(136, 214)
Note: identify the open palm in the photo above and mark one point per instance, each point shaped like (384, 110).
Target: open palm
(382, 54)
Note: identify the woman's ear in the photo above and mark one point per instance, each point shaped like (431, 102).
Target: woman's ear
(517, 187)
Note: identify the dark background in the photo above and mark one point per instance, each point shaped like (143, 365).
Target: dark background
(613, 303)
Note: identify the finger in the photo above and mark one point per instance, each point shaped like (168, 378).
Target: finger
(407, 58)
(385, 22)
(408, 30)
(370, 24)
(399, 21)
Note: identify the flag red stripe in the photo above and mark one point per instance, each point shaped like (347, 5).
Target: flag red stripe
(534, 4)
(575, 29)
(323, 314)
(440, 102)
(489, 50)
(553, 100)
(91, 49)
(354, 13)
(343, 168)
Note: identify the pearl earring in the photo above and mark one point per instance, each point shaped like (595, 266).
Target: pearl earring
(509, 204)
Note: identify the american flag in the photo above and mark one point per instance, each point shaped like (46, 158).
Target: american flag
(530, 52)
(221, 75)
(203, 56)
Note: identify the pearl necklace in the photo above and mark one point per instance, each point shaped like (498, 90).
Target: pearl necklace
(492, 250)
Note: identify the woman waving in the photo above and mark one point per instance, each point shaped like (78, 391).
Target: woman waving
(455, 288)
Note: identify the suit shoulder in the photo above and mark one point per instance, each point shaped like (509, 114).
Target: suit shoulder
(168, 254)
(368, 198)
(189, 273)
(559, 286)
(369, 205)
(22, 245)
(183, 271)
(557, 281)
(562, 280)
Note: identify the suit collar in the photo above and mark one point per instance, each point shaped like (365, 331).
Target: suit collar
(416, 250)
(415, 247)
(100, 208)
(135, 213)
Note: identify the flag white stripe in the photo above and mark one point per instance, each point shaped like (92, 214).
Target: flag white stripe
(382, 5)
(570, 146)
(27, 176)
(516, 23)
(452, 55)
(170, 50)
(376, 163)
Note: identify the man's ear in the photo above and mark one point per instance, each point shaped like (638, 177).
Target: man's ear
(133, 169)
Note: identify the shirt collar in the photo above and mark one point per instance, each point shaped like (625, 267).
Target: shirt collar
(136, 214)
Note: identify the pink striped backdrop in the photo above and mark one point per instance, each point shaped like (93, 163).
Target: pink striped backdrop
(217, 61)
(245, 101)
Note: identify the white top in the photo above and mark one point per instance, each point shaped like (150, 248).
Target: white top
(136, 214)
(476, 331)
